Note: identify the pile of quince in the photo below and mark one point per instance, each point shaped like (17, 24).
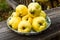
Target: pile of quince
(28, 18)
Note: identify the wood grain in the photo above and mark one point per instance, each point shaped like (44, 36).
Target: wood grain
(54, 14)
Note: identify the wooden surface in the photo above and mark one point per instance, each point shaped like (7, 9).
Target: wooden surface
(54, 29)
(14, 3)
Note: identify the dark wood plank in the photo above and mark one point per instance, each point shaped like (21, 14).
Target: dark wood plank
(54, 14)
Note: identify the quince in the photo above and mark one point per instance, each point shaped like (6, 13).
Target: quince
(14, 14)
(24, 27)
(14, 22)
(34, 8)
(39, 24)
(21, 10)
(27, 18)
(43, 14)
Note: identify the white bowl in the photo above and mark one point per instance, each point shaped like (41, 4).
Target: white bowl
(32, 32)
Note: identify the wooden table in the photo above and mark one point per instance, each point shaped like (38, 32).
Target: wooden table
(54, 29)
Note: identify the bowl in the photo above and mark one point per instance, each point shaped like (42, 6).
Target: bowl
(32, 32)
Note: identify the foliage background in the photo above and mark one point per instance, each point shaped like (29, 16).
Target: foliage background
(5, 10)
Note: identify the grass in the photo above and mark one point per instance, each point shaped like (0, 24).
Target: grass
(5, 10)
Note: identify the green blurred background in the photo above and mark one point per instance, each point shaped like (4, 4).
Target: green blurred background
(5, 10)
